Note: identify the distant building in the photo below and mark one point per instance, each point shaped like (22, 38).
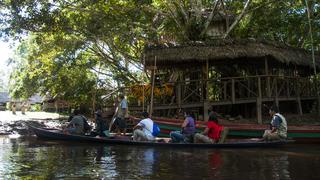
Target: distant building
(35, 99)
(54, 104)
(4, 98)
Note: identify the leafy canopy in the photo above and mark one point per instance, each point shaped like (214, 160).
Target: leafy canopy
(74, 45)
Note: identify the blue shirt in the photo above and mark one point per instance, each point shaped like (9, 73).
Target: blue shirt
(124, 104)
(276, 121)
(122, 108)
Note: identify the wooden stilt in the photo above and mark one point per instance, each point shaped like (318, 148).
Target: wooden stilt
(205, 111)
(277, 94)
(318, 105)
(299, 105)
(298, 97)
(268, 78)
(259, 102)
(205, 90)
(233, 92)
(143, 97)
(179, 95)
(152, 85)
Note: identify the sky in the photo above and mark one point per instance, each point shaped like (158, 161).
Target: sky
(5, 53)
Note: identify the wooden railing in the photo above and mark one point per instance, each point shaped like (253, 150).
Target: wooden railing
(236, 89)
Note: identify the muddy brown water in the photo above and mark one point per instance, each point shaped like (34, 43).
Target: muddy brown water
(32, 158)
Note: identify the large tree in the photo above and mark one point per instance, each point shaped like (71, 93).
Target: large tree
(105, 39)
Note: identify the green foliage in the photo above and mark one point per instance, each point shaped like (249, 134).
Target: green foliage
(36, 107)
(283, 21)
(75, 47)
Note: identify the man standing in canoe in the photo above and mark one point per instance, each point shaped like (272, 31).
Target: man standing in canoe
(120, 115)
(278, 126)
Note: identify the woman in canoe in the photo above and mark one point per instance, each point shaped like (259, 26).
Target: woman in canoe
(188, 129)
(213, 133)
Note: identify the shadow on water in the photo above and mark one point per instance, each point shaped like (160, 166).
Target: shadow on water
(31, 158)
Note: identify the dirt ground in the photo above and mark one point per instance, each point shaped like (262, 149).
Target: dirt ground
(17, 124)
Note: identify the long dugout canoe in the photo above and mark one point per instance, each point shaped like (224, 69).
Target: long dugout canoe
(300, 133)
(54, 134)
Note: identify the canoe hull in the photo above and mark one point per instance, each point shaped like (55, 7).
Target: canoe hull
(299, 133)
(56, 135)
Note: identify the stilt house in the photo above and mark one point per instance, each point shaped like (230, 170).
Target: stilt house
(237, 77)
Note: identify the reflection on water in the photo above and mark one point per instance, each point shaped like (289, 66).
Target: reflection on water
(31, 158)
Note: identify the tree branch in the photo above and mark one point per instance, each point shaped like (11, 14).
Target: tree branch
(209, 19)
(237, 19)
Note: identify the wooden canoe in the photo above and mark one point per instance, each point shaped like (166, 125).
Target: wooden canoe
(300, 133)
(55, 134)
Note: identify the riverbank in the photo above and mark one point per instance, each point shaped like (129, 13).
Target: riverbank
(17, 123)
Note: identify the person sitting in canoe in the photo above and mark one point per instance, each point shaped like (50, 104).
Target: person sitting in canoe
(78, 124)
(146, 129)
(102, 127)
(278, 126)
(213, 133)
(188, 129)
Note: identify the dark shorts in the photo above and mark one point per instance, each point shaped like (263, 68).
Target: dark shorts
(120, 123)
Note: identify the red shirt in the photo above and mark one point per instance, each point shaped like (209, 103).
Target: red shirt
(214, 130)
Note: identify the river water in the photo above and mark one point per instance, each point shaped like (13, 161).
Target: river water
(32, 158)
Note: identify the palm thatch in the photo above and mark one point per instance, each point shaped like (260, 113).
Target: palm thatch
(219, 51)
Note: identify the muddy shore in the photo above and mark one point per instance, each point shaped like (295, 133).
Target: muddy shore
(18, 123)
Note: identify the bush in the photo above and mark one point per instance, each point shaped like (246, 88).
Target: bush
(36, 107)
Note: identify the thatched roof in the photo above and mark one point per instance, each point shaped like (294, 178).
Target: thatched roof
(219, 51)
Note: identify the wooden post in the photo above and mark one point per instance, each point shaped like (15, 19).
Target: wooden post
(152, 85)
(318, 97)
(276, 89)
(298, 96)
(225, 91)
(142, 97)
(205, 111)
(259, 102)
(233, 93)
(249, 86)
(318, 94)
(268, 77)
(299, 105)
(179, 94)
(205, 90)
(288, 86)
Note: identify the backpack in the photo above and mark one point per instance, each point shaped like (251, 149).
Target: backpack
(155, 130)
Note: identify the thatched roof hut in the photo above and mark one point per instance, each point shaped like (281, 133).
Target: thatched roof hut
(248, 51)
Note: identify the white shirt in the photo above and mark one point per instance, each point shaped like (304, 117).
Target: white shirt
(147, 127)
